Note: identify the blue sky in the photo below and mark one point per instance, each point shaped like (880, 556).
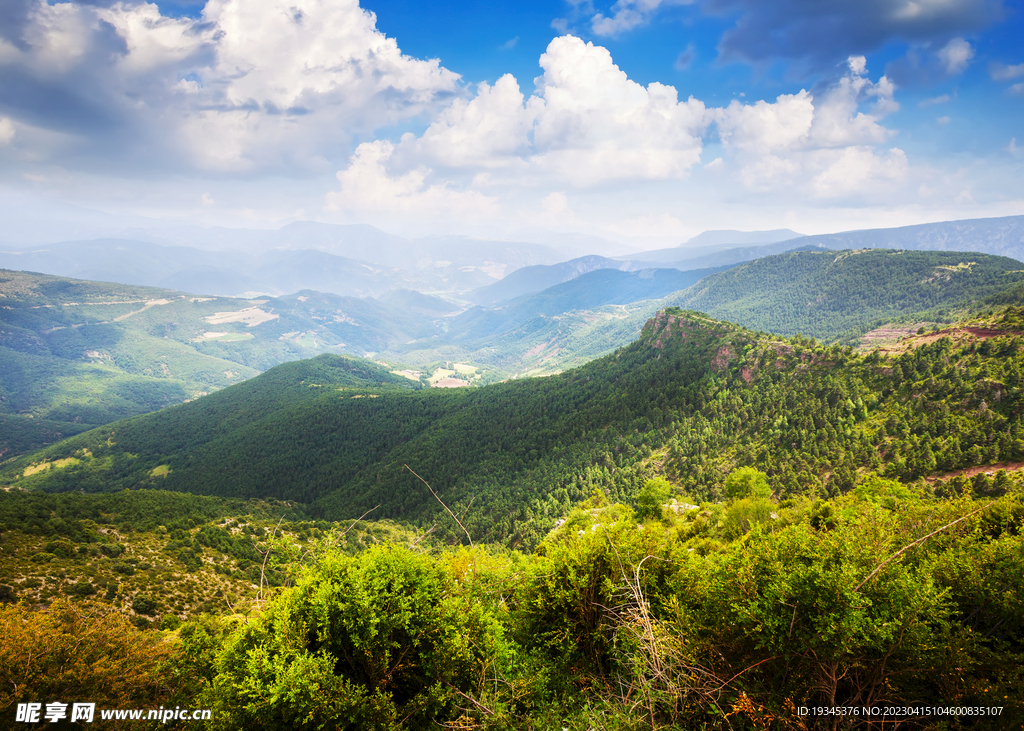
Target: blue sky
(639, 120)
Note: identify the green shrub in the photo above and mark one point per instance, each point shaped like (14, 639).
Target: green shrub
(111, 550)
(744, 514)
(652, 497)
(144, 604)
(747, 482)
(170, 622)
(61, 548)
(378, 641)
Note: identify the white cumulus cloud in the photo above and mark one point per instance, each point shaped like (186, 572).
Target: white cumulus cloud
(593, 124)
(629, 14)
(1002, 72)
(490, 130)
(825, 140)
(588, 127)
(799, 121)
(587, 124)
(852, 170)
(6, 131)
(250, 86)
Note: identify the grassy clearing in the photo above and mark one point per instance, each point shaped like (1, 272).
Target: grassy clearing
(227, 337)
(55, 464)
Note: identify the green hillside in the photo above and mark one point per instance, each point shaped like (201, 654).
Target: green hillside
(76, 354)
(834, 295)
(692, 399)
(80, 354)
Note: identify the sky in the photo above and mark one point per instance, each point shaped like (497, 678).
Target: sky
(636, 120)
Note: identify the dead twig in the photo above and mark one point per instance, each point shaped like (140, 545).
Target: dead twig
(443, 505)
(454, 517)
(345, 533)
(884, 563)
(263, 567)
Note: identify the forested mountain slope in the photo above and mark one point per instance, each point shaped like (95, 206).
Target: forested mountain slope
(833, 294)
(79, 354)
(691, 399)
(75, 354)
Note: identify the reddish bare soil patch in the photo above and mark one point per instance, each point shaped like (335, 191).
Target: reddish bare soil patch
(986, 332)
(722, 358)
(882, 338)
(989, 469)
(450, 383)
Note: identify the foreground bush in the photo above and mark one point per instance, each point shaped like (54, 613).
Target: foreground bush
(382, 640)
(62, 654)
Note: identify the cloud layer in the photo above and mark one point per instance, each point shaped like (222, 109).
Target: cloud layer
(589, 127)
(248, 86)
(300, 90)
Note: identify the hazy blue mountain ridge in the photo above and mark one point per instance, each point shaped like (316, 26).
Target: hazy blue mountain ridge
(539, 277)
(1002, 236)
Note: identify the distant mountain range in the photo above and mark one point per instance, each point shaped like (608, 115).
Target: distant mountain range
(584, 292)
(539, 277)
(470, 264)
(362, 261)
(833, 296)
(1001, 236)
(713, 242)
(728, 237)
(998, 236)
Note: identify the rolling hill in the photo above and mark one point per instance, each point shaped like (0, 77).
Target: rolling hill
(76, 354)
(692, 398)
(80, 354)
(836, 294)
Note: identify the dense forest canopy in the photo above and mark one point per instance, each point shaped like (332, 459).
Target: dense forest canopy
(835, 295)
